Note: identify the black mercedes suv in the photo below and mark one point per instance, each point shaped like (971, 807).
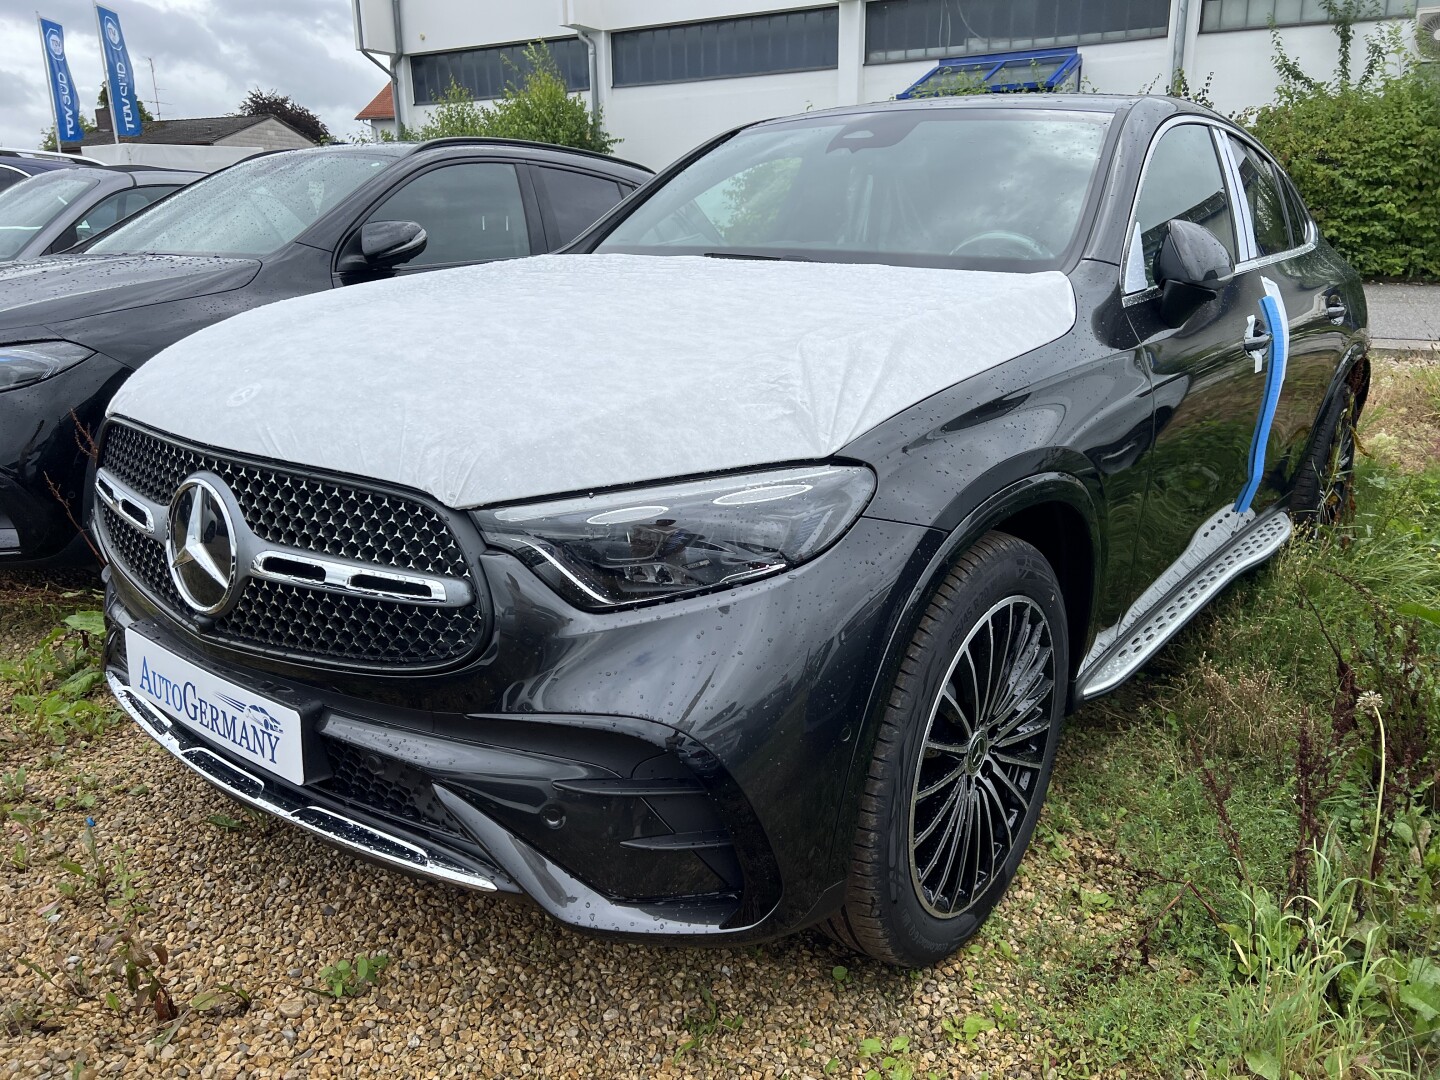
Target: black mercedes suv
(732, 571)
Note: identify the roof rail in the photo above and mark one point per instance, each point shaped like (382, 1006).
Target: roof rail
(48, 154)
(490, 140)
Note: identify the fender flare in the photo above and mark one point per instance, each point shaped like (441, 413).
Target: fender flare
(1033, 490)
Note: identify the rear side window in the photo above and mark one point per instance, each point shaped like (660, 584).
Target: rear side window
(1262, 192)
(1182, 180)
(576, 199)
(1296, 212)
(470, 212)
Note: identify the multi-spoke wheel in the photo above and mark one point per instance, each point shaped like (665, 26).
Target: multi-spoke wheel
(962, 758)
(1324, 489)
(983, 756)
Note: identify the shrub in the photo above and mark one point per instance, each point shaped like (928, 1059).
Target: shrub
(1363, 146)
(539, 109)
(1367, 161)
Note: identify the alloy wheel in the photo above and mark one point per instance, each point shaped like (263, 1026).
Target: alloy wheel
(982, 757)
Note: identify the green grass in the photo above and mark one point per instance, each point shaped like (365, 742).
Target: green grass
(1354, 992)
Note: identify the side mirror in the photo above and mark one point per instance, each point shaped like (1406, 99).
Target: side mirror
(1192, 267)
(384, 245)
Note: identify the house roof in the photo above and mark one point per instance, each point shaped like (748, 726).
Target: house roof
(381, 107)
(199, 131)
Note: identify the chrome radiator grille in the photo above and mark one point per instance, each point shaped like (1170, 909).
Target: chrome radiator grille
(324, 516)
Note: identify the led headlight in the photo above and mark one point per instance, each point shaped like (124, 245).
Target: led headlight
(21, 365)
(651, 543)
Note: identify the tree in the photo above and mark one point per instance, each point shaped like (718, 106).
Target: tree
(540, 109)
(104, 102)
(273, 103)
(47, 136)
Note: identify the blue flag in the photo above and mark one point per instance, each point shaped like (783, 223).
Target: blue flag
(62, 86)
(124, 108)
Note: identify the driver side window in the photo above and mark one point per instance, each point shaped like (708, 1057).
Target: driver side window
(472, 212)
(1182, 180)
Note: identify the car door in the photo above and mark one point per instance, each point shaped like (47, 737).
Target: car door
(571, 200)
(1305, 284)
(1206, 389)
(472, 211)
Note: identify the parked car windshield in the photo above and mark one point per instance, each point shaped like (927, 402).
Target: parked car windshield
(927, 186)
(32, 204)
(254, 208)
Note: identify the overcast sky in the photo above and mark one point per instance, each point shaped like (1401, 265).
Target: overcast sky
(207, 54)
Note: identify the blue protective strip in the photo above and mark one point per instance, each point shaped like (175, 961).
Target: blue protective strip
(1274, 379)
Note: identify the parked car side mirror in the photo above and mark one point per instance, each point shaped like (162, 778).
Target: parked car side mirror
(384, 245)
(1192, 267)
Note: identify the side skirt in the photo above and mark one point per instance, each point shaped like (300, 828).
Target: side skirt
(1225, 547)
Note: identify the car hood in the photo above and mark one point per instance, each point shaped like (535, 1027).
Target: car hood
(59, 288)
(571, 372)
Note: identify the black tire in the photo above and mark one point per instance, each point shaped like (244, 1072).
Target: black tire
(894, 910)
(1324, 492)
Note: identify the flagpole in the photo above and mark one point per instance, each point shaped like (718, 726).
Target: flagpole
(49, 78)
(105, 68)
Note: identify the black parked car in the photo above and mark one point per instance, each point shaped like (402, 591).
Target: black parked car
(63, 207)
(73, 327)
(749, 593)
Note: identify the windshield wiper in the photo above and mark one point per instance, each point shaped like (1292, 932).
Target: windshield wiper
(754, 258)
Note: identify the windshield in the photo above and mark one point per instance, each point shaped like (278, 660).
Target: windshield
(253, 208)
(928, 186)
(32, 204)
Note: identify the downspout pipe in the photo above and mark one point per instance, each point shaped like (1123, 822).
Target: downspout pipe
(391, 73)
(1179, 40)
(395, 64)
(587, 36)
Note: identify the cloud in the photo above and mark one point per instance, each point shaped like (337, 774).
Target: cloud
(207, 54)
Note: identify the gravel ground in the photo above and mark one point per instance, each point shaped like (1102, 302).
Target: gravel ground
(477, 986)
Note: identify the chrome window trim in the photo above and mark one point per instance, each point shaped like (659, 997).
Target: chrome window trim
(1240, 205)
(1240, 208)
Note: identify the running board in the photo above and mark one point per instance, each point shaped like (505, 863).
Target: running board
(1116, 660)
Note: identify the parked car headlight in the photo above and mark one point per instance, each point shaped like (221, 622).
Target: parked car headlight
(642, 544)
(21, 365)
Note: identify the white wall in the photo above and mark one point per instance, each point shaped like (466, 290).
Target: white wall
(437, 25)
(1241, 60)
(200, 158)
(659, 123)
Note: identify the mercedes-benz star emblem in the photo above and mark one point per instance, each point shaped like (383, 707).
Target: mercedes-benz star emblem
(201, 546)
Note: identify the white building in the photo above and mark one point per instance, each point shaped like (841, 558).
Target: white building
(670, 74)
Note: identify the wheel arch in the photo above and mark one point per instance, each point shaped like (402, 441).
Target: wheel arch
(1053, 511)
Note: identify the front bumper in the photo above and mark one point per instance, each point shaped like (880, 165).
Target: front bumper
(678, 770)
(46, 430)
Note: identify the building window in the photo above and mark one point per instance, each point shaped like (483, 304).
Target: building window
(484, 73)
(726, 48)
(1256, 14)
(929, 29)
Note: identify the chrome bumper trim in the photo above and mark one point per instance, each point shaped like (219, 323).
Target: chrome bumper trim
(251, 789)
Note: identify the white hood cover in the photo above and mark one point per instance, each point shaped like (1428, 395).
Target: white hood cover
(566, 372)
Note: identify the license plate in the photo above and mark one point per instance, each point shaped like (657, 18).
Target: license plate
(247, 724)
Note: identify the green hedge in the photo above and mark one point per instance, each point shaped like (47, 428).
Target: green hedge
(1367, 161)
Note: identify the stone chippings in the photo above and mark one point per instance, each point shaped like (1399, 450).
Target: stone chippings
(477, 986)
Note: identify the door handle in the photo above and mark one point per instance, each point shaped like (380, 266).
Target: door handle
(1336, 310)
(1256, 342)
